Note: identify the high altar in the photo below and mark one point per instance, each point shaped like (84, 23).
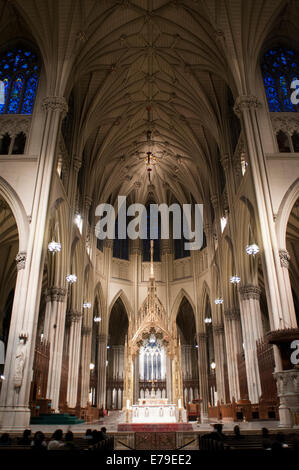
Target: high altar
(153, 355)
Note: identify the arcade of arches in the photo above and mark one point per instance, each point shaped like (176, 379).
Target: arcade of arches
(161, 101)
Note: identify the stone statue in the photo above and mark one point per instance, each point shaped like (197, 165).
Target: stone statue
(19, 363)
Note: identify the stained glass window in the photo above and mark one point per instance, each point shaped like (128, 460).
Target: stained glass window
(280, 67)
(19, 71)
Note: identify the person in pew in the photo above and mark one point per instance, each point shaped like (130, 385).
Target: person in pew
(69, 443)
(56, 442)
(26, 438)
(5, 440)
(216, 434)
(103, 434)
(266, 441)
(237, 433)
(39, 443)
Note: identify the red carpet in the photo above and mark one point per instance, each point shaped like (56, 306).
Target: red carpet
(154, 427)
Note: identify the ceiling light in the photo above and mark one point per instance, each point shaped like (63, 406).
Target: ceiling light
(235, 280)
(91, 366)
(97, 319)
(213, 365)
(252, 249)
(208, 320)
(54, 247)
(87, 305)
(71, 278)
(218, 301)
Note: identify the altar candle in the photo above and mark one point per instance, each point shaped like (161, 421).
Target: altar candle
(180, 403)
(128, 404)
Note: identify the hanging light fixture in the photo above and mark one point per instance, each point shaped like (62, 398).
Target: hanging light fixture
(218, 301)
(87, 305)
(208, 320)
(91, 366)
(213, 365)
(234, 279)
(97, 319)
(54, 247)
(71, 278)
(252, 249)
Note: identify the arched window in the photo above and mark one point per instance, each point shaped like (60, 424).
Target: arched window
(120, 246)
(19, 71)
(280, 67)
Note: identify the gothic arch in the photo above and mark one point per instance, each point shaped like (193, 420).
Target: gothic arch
(120, 294)
(17, 208)
(284, 211)
(176, 304)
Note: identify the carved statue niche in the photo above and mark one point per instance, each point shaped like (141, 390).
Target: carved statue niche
(20, 363)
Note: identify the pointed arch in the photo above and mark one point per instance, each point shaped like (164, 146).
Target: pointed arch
(176, 305)
(284, 211)
(121, 294)
(17, 208)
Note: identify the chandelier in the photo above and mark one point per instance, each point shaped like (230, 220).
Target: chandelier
(97, 319)
(87, 305)
(252, 249)
(54, 247)
(234, 280)
(208, 320)
(71, 278)
(218, 301)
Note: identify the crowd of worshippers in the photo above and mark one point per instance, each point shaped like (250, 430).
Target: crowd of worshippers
(58, 441)
(269, 442)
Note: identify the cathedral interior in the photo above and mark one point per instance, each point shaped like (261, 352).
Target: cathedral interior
(163, 102)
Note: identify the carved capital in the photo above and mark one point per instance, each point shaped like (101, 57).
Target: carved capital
(201, 338)
(246, 102)
(86, 330)
(55, 103)
(21, 260)
(102, 338)
(218, 330)
(232, 314)
(225, 161)
(250, 292)
(284, 258)
(73, 316)
(55, 294)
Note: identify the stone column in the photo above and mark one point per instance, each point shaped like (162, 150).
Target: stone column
(287, 382)
(290, 314)
(169, 394)
(85, 364)
(252, 328)
(136, 379)
(75, 320)
(203, 375)
(102, 357)
(219, 349)
(233, 341)
(54, 333)
(14, 400)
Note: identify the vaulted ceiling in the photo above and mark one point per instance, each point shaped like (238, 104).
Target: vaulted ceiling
(149, 76)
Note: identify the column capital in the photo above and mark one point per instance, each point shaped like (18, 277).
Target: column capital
(246, 102)
(87, 201)
(102, 338)
(135, 247)
(231, 314)
(86, 330)
(225, 161)
(218, 330)
(21, 260)
(77, 163)
(55, 294)
(55, 103)
(284, 258)
(165, 247)
(250, 292)
(73, 316)
(201, 338)
(215, 200)
(107, 243)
